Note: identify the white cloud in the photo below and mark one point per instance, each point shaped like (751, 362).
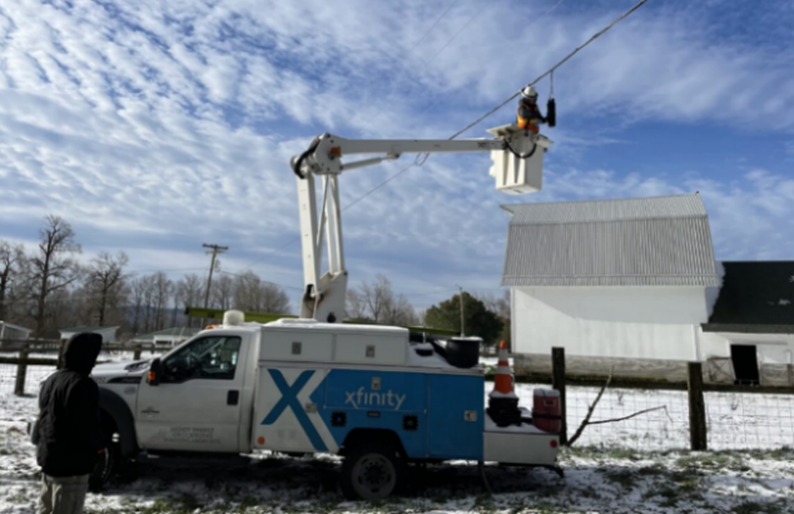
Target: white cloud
(168, 123)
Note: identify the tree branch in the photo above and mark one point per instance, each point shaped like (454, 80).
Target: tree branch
(627, 417)
(590, 410)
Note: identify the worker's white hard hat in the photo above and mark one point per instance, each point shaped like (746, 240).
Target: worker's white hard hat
(529, 92)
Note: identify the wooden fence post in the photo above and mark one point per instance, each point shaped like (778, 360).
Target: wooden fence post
(697, 408)
(22, 372)
(61, 348)
(558, 383)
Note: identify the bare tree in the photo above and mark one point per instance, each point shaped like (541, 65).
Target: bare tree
(149, 291)
(137, 295)
(355, 305)
(498, 305)
(177, 299)
(51, 268)
(12, 262)
(251, 293)
(223, 292)
(398, 311)
(190, 290)
(105, 285)
(163, 289)
(376, 301)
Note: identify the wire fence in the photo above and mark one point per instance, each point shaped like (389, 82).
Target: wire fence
(629, 418)
(663, 424)
(735, 420)
(749, 420)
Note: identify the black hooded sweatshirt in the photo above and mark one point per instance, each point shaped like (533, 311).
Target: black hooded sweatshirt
(68, 433)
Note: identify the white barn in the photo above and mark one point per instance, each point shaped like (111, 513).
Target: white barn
(624, 283)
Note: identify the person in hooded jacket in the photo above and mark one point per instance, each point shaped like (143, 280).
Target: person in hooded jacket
(68, 433)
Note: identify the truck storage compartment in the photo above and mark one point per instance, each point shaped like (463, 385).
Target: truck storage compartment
(303, 346)
(371, 348)
(455, 416)
(522, 445)
(311, 341)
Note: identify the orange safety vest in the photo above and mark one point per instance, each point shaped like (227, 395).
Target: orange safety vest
(530, 124)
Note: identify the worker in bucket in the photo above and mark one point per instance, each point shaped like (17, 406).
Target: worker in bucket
(528, 115)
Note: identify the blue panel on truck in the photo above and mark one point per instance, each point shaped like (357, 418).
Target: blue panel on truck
(376, 399)
(455, 417)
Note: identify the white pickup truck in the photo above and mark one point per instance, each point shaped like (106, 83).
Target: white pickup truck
(375, 395)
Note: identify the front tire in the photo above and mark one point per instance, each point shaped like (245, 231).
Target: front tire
(372, 472)
(105, 467)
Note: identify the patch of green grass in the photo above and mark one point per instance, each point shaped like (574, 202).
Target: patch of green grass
(248, 502)
(189, 502)
(650, 471)
(160, 506)
(668, 493)
(712, 461)
(625, 477)
(753, 507)
(484, 503)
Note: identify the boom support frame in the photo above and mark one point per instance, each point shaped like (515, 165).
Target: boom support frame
(516, 166)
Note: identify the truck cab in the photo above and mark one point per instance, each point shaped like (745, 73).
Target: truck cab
(374, 395)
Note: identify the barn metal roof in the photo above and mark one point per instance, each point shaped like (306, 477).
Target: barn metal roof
(653, 241)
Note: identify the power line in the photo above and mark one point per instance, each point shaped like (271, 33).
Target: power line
(534, 21)
(451, 5)
(489, 113)
(420, 159)
(553, 68)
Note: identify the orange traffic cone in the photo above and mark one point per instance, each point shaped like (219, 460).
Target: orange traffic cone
(503, 382)
(503, 401)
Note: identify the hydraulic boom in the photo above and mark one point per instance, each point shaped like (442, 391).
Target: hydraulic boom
(517, 167)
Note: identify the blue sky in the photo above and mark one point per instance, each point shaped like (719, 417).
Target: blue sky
(155, 126)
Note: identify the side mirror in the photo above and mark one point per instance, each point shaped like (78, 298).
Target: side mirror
(153, 378)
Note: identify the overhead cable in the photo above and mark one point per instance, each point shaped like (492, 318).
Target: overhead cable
(551, 70)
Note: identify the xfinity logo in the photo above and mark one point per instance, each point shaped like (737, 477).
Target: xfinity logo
(369, 399)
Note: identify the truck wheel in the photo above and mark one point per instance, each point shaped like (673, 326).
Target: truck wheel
(105, 467)
(372, 472)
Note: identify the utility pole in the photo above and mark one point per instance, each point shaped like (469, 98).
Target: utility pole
(462, 330)
(216, 249)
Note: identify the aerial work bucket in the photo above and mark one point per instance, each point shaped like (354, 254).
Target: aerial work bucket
(518, 169)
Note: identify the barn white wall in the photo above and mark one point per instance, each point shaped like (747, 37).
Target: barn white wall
(632, 322)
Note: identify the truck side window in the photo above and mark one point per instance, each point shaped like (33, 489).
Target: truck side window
(213, 358)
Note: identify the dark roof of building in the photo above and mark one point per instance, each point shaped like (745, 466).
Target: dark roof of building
(755, 296)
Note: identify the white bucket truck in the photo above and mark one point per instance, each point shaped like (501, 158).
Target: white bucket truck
(372, 394)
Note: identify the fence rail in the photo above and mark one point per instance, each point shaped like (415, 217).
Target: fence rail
(16, 356)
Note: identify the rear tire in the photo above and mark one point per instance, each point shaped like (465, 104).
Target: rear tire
(372, 471)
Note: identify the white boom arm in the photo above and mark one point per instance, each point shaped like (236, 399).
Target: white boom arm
(517, 166)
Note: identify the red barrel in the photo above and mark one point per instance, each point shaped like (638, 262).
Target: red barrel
(546, 411)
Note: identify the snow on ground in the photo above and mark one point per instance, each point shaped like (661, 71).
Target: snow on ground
(638, 465)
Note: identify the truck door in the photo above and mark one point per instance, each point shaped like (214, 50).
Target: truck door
(196, 405)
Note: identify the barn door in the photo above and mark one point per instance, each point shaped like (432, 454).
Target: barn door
(745, 364)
